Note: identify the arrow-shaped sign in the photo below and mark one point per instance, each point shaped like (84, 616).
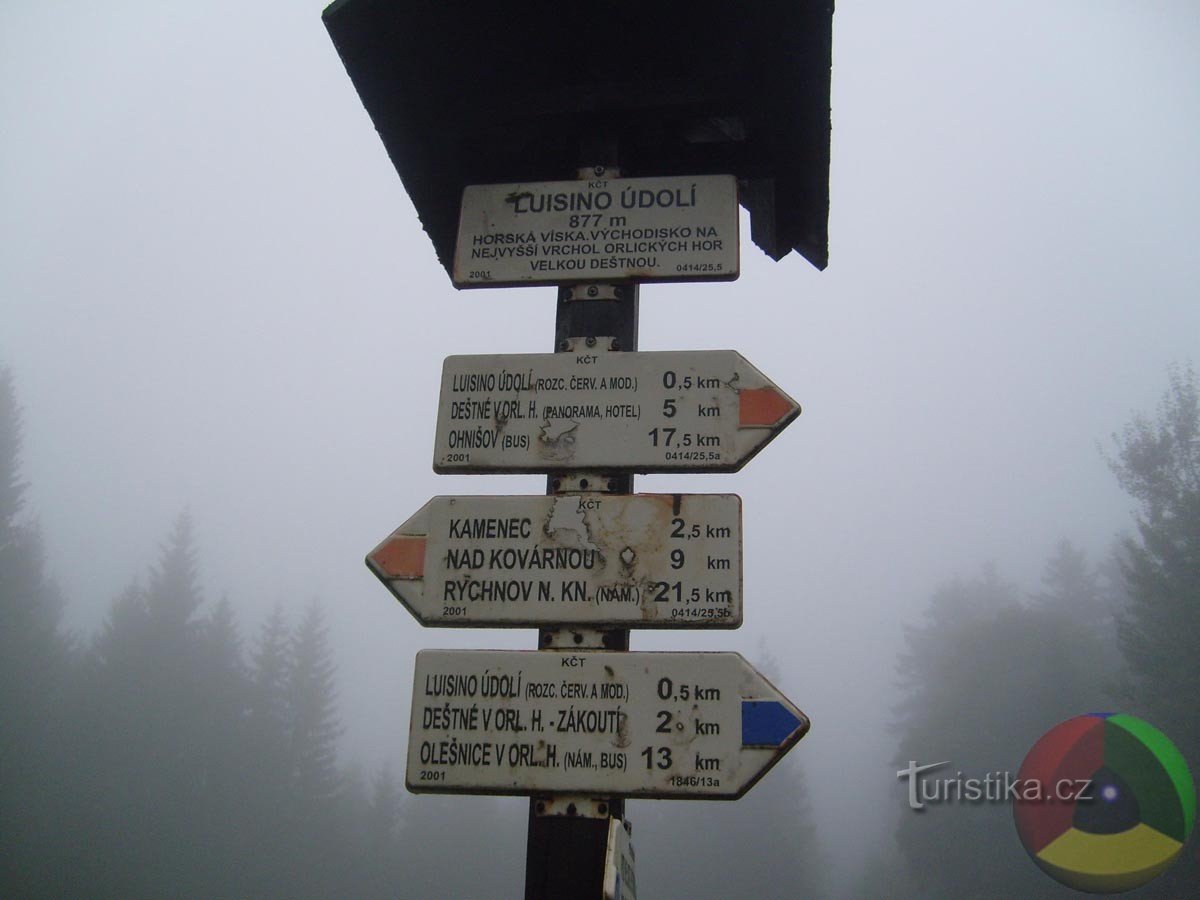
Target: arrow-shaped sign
(703, 725)
(590, 408)
(631, 561)
(620, 873)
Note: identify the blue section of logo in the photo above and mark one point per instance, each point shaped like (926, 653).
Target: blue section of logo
(767, 723)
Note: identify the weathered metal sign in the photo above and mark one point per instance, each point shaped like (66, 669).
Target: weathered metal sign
(703, 725)
(620, 877)
(632, 561)
(648, 229)
(696, 411)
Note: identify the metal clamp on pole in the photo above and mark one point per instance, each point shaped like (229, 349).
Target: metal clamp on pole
(586, 173)
(583, 483)
(571, 806)
(593, 292)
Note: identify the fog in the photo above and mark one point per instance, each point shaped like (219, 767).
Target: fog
(215, 296)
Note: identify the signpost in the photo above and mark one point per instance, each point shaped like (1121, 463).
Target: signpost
(681, 228)
(599, 723)
(630, 561)
(689, 411)
(476, 134)
(620, 877)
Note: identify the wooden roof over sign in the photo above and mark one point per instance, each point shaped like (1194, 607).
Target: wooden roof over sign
(486, 92)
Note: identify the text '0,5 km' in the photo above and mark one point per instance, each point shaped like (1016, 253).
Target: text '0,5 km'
(632, 561)
(630, 724)
(696, 410)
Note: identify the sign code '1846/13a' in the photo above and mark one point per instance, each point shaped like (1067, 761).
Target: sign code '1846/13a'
(693, 411)
(648, 229)
(607, 723)
(632, 561)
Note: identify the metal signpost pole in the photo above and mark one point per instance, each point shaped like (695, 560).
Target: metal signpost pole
(565, 853)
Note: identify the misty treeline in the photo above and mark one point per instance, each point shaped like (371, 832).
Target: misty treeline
(161, 757)
(991, 667)
(170, 755)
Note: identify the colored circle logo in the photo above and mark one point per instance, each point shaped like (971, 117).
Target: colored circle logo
(1104, 803)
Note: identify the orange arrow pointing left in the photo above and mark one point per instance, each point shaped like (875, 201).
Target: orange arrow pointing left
(401, 556)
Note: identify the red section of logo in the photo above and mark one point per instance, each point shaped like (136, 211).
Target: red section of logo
(1071, 751)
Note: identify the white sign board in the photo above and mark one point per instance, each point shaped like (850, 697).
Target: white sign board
(608, 229)
(632, 561)
(620, 877)
(703, 725)
(695, 411)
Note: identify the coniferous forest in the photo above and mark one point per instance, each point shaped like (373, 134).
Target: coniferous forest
(181, 752)
(992, 667)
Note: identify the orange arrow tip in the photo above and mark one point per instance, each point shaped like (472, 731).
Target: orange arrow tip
(761, 407)
(400, 556)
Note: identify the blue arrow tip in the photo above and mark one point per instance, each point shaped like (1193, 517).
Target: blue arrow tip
(768, 723)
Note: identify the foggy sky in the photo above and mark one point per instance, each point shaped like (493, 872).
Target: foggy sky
(215, 295)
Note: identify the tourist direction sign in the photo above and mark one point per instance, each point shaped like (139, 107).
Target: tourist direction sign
(682, 228)
(694, 411)
(629, 561)
(620, 876)
(700, 725)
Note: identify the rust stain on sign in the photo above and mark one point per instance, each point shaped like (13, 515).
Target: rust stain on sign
(557, 438)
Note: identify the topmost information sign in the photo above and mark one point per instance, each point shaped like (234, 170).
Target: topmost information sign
(606, 229)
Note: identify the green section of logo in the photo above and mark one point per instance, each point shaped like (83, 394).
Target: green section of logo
(1176, 803)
